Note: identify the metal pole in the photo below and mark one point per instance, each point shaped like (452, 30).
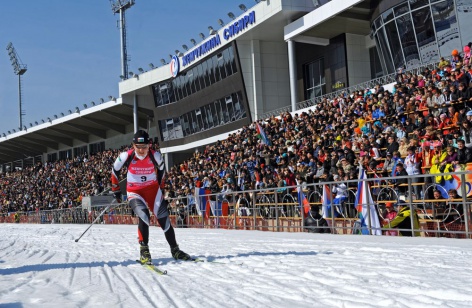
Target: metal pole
(19, 101)
(366, 192)
(112, 204)
(465, 208)
(410, 200)
(276, 211)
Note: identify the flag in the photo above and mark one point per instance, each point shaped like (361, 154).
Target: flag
(202, 201)
(303, 202)
(326, 202)
(365, 204)
(262, 135)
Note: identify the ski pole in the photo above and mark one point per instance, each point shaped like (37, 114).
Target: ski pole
(112, 204)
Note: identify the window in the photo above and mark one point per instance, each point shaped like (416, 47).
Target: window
(314, 79)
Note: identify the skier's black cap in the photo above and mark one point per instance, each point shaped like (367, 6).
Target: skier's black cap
(141, 137)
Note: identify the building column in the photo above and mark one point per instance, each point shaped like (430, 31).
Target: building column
(292, 66)
(135, 112)
(256, 78)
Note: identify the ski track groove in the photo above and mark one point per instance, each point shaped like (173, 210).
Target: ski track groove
(140, 287)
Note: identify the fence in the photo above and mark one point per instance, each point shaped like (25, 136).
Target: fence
(282, 209)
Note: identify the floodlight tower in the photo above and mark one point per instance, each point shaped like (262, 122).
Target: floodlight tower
(120, 6)
(19, 69)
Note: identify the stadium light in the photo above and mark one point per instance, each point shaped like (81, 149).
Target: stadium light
(120, 7)
(163, 62)
(170, 56)
(221, 22)
(185, 47)
(14, 130)
(9, 132)
(62, 114)
(140, 69)
(243, 7)
(19, 69)
(179, 53)
(151, 66)
(92, 103)
(85, 106)
(194, 42)
(231, 15)
(212, 31)
(122, 77)
(202, 36)
(24, 127)
(4, 135)
(102, 100)
(131, 74)
(31, 124)
(70, 111)
(77, 109)
(42, 120)
(112, 98)
(36, 123)
(49, 120)
(55, 116)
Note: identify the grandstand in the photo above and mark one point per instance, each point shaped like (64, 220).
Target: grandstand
(206, 117)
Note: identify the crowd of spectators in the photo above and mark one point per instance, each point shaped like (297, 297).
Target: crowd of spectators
(422, 122)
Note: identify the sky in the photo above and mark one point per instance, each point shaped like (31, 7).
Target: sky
(73, 54)
(42, 266)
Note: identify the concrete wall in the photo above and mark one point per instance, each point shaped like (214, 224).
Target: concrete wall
(358, 60)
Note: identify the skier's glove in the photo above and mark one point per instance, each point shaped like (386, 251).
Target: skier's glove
(117, 195)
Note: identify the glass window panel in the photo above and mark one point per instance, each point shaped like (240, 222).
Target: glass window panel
(219, 112)
(196, 79)
(401, 9)
(175, 86)
(214, 112)
(234, 68)
(211, 71)
(205, 77)
(170, 92)
(408, 42)
(221, 65)
(204, 118)
(192, 76)
(423, 23)
(464, 10)
(415, 4)
(216, 69)
(387, 15)
(445, 22)
(209, 115)
(227, 59)
(185, 125)
(230, 108)
(378, 23)
(394, 43)
(188, 90)
(385, 51)
(194, 122)
(241, 102)
(224, 110)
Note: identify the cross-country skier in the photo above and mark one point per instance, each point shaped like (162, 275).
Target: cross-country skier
(145, 183)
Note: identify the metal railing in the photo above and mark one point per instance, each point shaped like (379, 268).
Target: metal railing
(280, 209)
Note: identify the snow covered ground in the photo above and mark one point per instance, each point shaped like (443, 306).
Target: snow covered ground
(42, 266)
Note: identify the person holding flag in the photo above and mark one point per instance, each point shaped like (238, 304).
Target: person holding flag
(145, 191)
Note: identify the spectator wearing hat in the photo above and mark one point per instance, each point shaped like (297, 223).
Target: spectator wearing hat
(389, 214)
(403, 220)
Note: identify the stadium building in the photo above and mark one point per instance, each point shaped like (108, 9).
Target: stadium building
(273, 57)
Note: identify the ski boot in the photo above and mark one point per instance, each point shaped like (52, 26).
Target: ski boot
(145, 254)
(179, 254)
